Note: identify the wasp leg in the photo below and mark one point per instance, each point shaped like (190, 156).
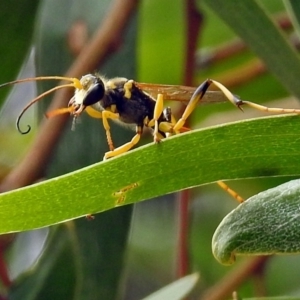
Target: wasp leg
(166, 127)
(231, 192)
(198, 95)
(270, 109)
(237, 102)
(99, 115)
(93, 112)
(158, 110)
(126, 147)
(110, 115)
(232, 98)
(105, 116)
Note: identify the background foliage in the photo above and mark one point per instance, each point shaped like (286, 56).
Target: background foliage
(96, 260)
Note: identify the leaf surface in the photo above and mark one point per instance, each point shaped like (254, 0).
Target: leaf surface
(254, 148)
(267, 223)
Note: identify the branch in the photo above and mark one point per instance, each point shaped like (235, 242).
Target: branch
(234, 279)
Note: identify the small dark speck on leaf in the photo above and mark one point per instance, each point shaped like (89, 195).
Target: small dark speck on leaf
(266, 172)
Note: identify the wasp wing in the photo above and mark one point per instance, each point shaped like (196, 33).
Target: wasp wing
(179, 92)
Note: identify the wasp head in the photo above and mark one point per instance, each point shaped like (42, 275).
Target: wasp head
(91, 91)
(88, 90)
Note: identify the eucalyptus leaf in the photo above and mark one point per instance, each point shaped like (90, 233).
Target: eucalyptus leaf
(50, 270)
(255, 26)
(293, 9)
(273, 298)
(16, 23)
(254, 148)
(267, 223)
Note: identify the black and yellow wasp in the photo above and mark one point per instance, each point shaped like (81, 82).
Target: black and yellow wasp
(139, 104)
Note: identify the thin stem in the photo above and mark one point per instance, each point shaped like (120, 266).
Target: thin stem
(194, 20)
(225, 287)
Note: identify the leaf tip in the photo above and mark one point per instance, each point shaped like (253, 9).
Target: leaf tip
(221, 252)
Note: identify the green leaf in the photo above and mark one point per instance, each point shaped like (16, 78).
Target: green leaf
(255, 26)
(76, 255)
(155, 38)
(16, 22)
(176, 290)
(293, 9)
(59, 260)
(254, 148)
(267, 223)
(100, 253)
(273, 298)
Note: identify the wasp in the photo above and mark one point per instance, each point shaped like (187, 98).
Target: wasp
(137, 104)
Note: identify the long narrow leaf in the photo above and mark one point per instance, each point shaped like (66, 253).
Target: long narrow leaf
(176, 290)
(253, 24)
(293, 9)
(255, 148)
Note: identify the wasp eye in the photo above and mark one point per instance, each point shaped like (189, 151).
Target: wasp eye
(95, 93)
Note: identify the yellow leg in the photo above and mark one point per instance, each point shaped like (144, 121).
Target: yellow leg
(233, 99)
(166, 127)
(158, 109)
(237, 102)
(124, 148)
(93, 112)
(105, 116)
(226, 188)
(197, 96)
(272, 109)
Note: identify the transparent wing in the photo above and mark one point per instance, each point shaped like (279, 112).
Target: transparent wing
(179, 92)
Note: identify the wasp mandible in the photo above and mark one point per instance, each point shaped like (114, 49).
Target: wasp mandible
(139, 104)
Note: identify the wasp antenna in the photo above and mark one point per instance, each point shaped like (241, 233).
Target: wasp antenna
(34, 101)
(18, 124)
(76, 81)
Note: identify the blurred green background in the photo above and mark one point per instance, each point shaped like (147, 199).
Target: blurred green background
(130, 252)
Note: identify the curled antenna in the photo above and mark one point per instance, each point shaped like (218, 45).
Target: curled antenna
(75, 84)
(34, 101)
